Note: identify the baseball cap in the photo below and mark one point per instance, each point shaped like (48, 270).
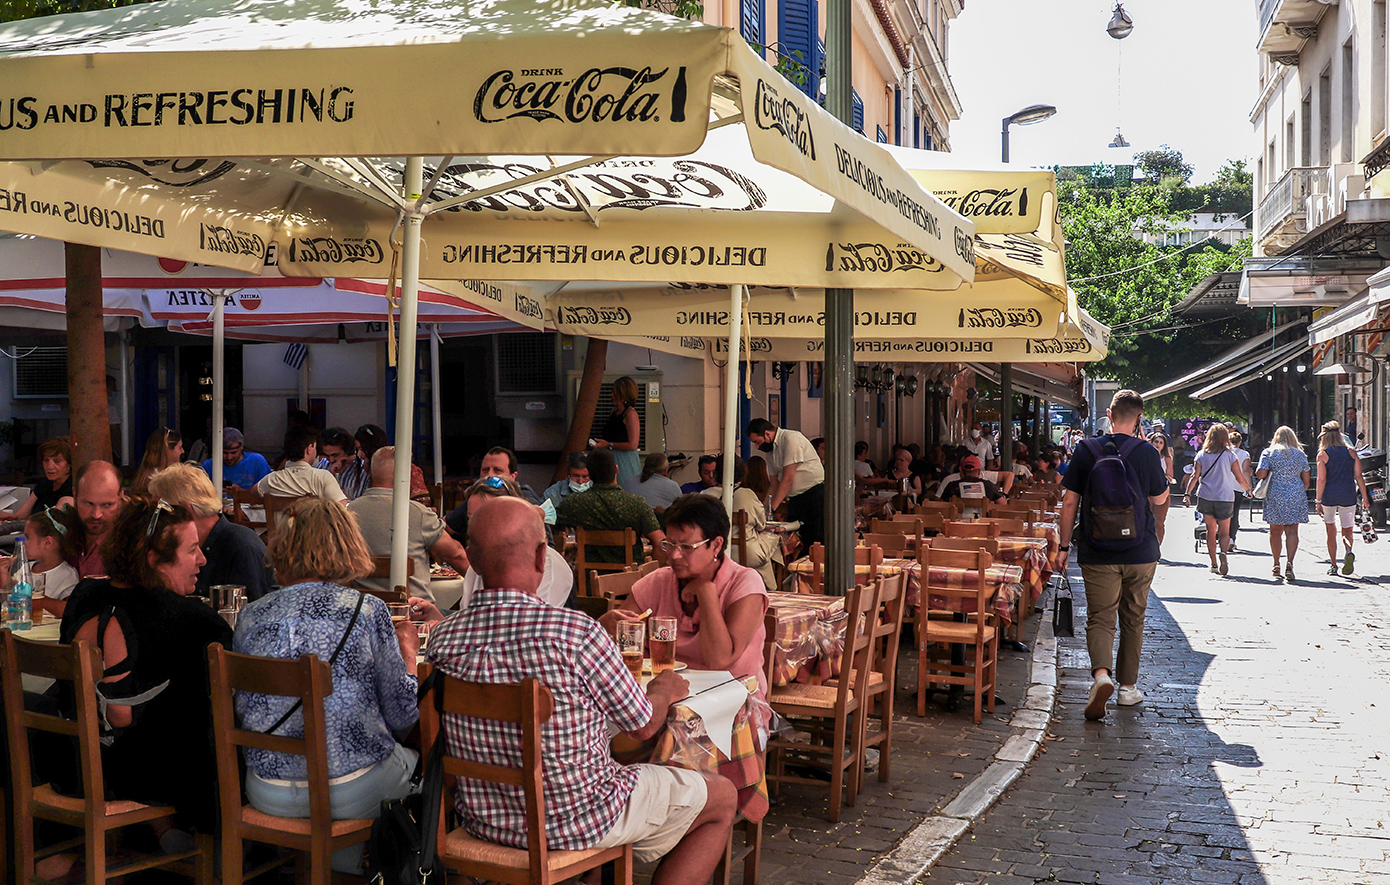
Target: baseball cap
(232, 437)
(970, 461)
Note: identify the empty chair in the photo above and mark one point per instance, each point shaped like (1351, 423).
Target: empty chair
(977, 529)
(977, 631)
(869, 558)
(969, 545)
(893, 544)
(583, 563)
(1006, 526)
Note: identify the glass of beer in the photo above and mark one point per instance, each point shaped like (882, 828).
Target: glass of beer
(663, 644)
(400, 612)
(631, 635)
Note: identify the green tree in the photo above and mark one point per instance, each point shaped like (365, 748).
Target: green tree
(1164, 164)
(1233, 174)
(1132, 285)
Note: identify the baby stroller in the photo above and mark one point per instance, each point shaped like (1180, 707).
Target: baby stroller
(1199, 531)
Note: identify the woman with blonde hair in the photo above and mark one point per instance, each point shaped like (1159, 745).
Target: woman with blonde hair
(622, 432)
(1159, 441)
(164, 447)
(1339, 476)
(1216, 475)
(1286, 500)
(316, 553)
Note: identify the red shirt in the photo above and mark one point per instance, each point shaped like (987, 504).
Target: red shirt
(89, 562)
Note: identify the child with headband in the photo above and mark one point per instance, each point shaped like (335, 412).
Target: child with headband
(51, 547)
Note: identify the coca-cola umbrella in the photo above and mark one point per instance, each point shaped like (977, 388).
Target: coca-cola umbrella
(316, 90)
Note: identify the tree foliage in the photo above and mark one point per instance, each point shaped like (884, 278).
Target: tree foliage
(14, 10)
(1163, 163)
(1132, 285)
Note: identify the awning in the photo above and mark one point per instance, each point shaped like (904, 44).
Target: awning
(1237, 357)
(1271, 362)
(1294, 281)
(1356, 314)
(1057, 383)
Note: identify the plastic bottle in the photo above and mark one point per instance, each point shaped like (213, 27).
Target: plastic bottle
(19, 613)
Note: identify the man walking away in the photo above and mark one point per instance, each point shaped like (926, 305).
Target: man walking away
(1115, 481)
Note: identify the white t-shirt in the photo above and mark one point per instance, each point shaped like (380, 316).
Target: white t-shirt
(555, 586)
(791, 447)
(863, 470)
(981, 448)
(57, 582)
(298, 478)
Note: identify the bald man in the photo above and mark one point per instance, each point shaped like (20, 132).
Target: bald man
(98, 498)
(508, 634)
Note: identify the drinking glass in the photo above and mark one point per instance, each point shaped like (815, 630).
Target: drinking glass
(631, 635)
(400, 611)
(663, 644)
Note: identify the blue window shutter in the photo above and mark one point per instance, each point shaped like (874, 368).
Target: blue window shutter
(881, 135)
(897, 115)
(858, 112)
(751, 21)
(917, 130)
(797, 27)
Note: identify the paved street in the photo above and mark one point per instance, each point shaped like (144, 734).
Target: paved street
(1259, 756)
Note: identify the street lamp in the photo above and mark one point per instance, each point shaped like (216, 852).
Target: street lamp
(1034, 113)
(1121, 25)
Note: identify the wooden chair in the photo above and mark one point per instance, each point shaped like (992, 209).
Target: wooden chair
(831, 713)
(940, 508)
(903, 524)
(274, 506)
(977, 529)
(616, 587)
(934, 523)
(648, 567)
(977, 631)
(593, 606)
(241, 499)
(397, 595)
(969, 545)
(740, 535)
(80, 665)
(1027, 516)
(437, 498)
(308, 679)
(451, 494)
(586, 538)
(887, 636)
(870, 556)
(894, 544)
(528, 705)
(1007, 526)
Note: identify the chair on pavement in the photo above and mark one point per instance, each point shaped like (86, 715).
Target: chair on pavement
(586, 538)
(938, 508)
(832, 714)
(275, 505)
(381, 568)
(307, 679)
(80, 665)
(977, 630)
(241, 499)
(887, 636)
(616, 587)
(969, 545)
(740, 535)
(1007, 527)
(870, 557)
(528, 705)
(977, 529)
(894, 545)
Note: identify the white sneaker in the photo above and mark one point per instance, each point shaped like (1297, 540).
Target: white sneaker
(1101, 690)
(1129, 696)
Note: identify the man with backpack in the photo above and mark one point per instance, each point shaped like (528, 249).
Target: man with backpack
(1114, 482)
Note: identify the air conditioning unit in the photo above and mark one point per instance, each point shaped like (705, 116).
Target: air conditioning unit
(42, 373)
(650, 411)
(1317, 210)
(526, 376)
(1348, 183)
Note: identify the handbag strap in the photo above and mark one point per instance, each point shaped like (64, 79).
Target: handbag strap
(432, 789)
(331, 661)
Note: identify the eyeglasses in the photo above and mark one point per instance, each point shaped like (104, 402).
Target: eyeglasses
(159, 507)
(683, 549)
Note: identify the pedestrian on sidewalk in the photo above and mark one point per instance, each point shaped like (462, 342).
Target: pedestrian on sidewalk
(1339, 476)
(1243, 459)
(1117, 551)
(1286, 499)
(1216, 475)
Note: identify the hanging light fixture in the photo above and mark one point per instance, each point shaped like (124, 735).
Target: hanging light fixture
(1119, 140)
(1121, 25)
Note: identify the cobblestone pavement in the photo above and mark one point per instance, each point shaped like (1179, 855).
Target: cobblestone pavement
(1260, 752)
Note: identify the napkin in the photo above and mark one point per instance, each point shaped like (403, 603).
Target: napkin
(716, 696)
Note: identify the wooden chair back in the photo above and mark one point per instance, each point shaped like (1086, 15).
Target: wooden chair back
(626, 539)
(437, 497)
(275, 505)
(769, 645)
(970, 545)
(397, 595)
(80, 666)
(451, 493)
(241, 499)
(593, 606)
(307, 680)
(648, 567)
(615, 587)
(526, 706)
(940, 508)
(740, 536)
(903, 524)
(887, 637)
(870, 556)
(1022, 514)
(1006, 526)
(894, 544)
(934, 522)
(381, 567)
(977, 529)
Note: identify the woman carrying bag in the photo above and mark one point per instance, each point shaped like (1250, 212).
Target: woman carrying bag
(1216, 475)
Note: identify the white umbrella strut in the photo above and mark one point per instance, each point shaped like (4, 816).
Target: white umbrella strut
(219, 384)
(731, 395)
(405, 369)
(435, 410)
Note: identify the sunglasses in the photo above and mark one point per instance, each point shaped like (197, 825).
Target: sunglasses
(159, 508)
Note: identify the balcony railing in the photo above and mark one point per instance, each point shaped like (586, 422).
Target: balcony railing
(1283, 205)
(1267, 10)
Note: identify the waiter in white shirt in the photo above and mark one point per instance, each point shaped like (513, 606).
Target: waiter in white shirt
(798, 477)
(980, 446)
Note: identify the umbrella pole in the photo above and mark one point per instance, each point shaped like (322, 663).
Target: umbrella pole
(731, 396)
(219, 384)
(434, 407)
(413, 185)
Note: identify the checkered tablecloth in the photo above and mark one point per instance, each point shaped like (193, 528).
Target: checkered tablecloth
(810, 636)
(1053, 533)
(1008, 578)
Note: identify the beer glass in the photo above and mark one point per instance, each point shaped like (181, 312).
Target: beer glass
(663, 644)
(631, 635)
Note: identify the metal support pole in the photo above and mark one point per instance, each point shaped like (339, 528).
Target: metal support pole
(219, 384)
(1006, 417)
(839, 339)
(412, 185)
(435, 425)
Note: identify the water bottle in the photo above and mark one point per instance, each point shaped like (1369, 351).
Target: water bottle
(19, 607)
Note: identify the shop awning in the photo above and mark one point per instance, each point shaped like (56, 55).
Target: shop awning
(1304, 282)
(1245, 354)
(1272, 362)
(1058, 383)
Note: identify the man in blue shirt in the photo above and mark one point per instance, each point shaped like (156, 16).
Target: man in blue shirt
(240, 468)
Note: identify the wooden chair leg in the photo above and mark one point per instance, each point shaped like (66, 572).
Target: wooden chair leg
(94, 853)
(837, 771)
(203, 864)
(233, 870)
(885, 744)
(979, 680)
(753, 861)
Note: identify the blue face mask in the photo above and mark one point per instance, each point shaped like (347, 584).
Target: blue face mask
(579, 486)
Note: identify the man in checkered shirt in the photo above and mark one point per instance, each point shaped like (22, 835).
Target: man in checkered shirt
(508, 634)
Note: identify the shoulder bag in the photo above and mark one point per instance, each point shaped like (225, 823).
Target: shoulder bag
(403, 843)
(1062, 614)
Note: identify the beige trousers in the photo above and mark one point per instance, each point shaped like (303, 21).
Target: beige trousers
(1117, 592)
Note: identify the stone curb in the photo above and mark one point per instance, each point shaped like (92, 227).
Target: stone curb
(929, 840)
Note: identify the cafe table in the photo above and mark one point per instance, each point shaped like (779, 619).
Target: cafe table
(1007, 578)
(715, 731)
(802, 569)
(810, 636)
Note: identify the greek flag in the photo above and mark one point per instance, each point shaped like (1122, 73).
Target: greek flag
(295, 355)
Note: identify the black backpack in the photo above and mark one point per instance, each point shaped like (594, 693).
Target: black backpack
(1114, 507)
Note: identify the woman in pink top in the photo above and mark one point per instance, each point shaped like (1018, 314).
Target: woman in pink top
(718, 603)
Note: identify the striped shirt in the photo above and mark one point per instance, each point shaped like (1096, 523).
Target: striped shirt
(506, 636)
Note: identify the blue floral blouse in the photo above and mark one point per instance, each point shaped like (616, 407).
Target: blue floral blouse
(373, 694)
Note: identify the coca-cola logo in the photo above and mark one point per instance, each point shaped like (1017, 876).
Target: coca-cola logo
(226, 241)
(1057, 346)
(745, 345)
(1013, 247)
(593, 316)
(330, 250)
(965, 246)
(878, 258)
(999, 318)
(614, 94)
(617, 184)
(773, 112)
(995, 202)
(529, 307)
(174, 173)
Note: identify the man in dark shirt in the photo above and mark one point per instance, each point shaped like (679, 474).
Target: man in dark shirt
(970, 472)
(606, 507)
(235, 554)
(706, 466)
(1117, 580)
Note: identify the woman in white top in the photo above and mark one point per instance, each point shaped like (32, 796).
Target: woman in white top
(751, 482)
(1216, 475)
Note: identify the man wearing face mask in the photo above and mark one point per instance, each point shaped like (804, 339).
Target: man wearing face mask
(980, 446)
(576, 480)
(798, 477)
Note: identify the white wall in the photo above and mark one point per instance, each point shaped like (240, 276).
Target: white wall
(350, 376)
